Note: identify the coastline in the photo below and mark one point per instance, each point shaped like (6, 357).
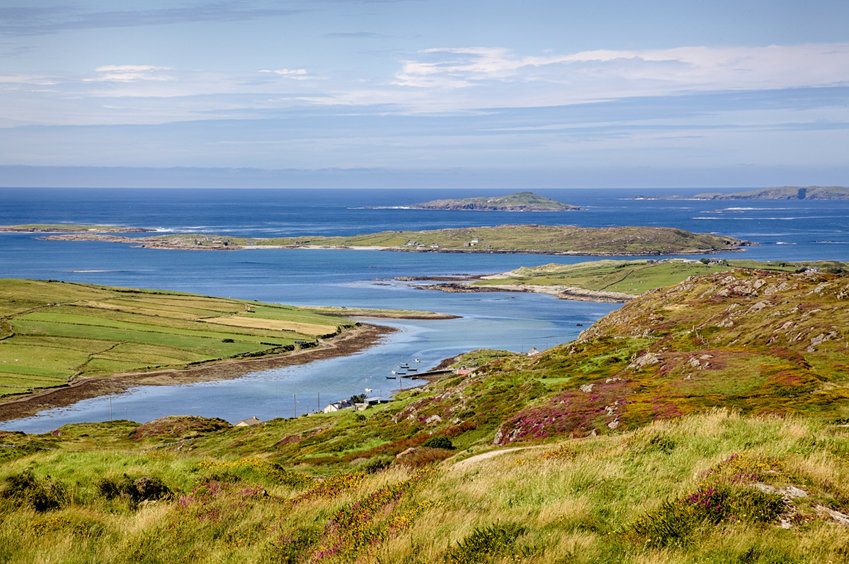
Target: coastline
(351, 341)
(561, 292)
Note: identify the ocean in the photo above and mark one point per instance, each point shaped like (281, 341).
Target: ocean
(784, 230)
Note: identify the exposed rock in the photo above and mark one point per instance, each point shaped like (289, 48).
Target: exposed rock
(433, 419)
(645, 360)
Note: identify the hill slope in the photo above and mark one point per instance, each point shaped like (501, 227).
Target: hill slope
(702, 422)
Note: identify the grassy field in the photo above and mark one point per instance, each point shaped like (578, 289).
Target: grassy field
(638, 276)
(706, 422)
(52, 333)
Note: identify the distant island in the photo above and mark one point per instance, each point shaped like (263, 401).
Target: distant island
(535, 239)
(75, 228)
(783, 193)
(519, 202)
(774, 193)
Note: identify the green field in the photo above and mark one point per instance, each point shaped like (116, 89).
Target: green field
(638, 276)
(52, 333)
(705, 422)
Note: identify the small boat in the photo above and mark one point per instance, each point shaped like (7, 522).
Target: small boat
(368, 390)
(412, 370)
(391, 377)
(417, 360)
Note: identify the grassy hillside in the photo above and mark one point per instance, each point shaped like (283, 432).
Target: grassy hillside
(52, 333)
(638, 276)
(520, 201)
(700, 423)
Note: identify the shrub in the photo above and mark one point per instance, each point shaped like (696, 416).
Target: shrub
(376, 463)
(146, 488)
(423, 456)
(673, 521)
(42, 495)
(485, 543)
(439, 442)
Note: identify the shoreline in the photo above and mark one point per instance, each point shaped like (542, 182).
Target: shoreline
(561, 292)
(351, 341)
(462, 284)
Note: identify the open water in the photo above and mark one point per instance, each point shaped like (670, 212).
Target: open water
(785, 230)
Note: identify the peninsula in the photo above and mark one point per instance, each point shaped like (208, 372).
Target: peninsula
(535, 239)
(518, 202)
(61, 342)
(614, 280)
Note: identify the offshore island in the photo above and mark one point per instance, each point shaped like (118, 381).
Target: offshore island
(518, 202)
(534, 239)
(774, 193)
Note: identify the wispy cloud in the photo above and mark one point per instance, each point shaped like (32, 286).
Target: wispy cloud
(601, 74)
(295, 74)
(131, 73)
(26, 80)
(26, 20)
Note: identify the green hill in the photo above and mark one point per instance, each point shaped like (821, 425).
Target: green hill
(705, 422)
(633, 277)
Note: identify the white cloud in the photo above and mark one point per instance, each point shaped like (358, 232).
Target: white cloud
(26, 80)
(601, 74)
(295, 74)
(131, 73)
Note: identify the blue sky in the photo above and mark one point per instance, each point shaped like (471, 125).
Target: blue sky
(416, 93)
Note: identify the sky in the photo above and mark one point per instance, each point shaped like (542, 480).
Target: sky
(424, 93)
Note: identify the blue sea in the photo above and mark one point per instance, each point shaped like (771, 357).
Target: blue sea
(784, 230)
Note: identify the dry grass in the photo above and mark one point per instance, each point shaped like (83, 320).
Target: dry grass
(273, 324)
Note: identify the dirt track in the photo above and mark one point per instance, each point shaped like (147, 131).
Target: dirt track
(349, 342)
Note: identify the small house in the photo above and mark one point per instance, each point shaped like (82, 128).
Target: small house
(338, 406)
(370, 402)
(249, 422)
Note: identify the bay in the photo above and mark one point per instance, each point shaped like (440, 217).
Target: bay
(797, 230)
